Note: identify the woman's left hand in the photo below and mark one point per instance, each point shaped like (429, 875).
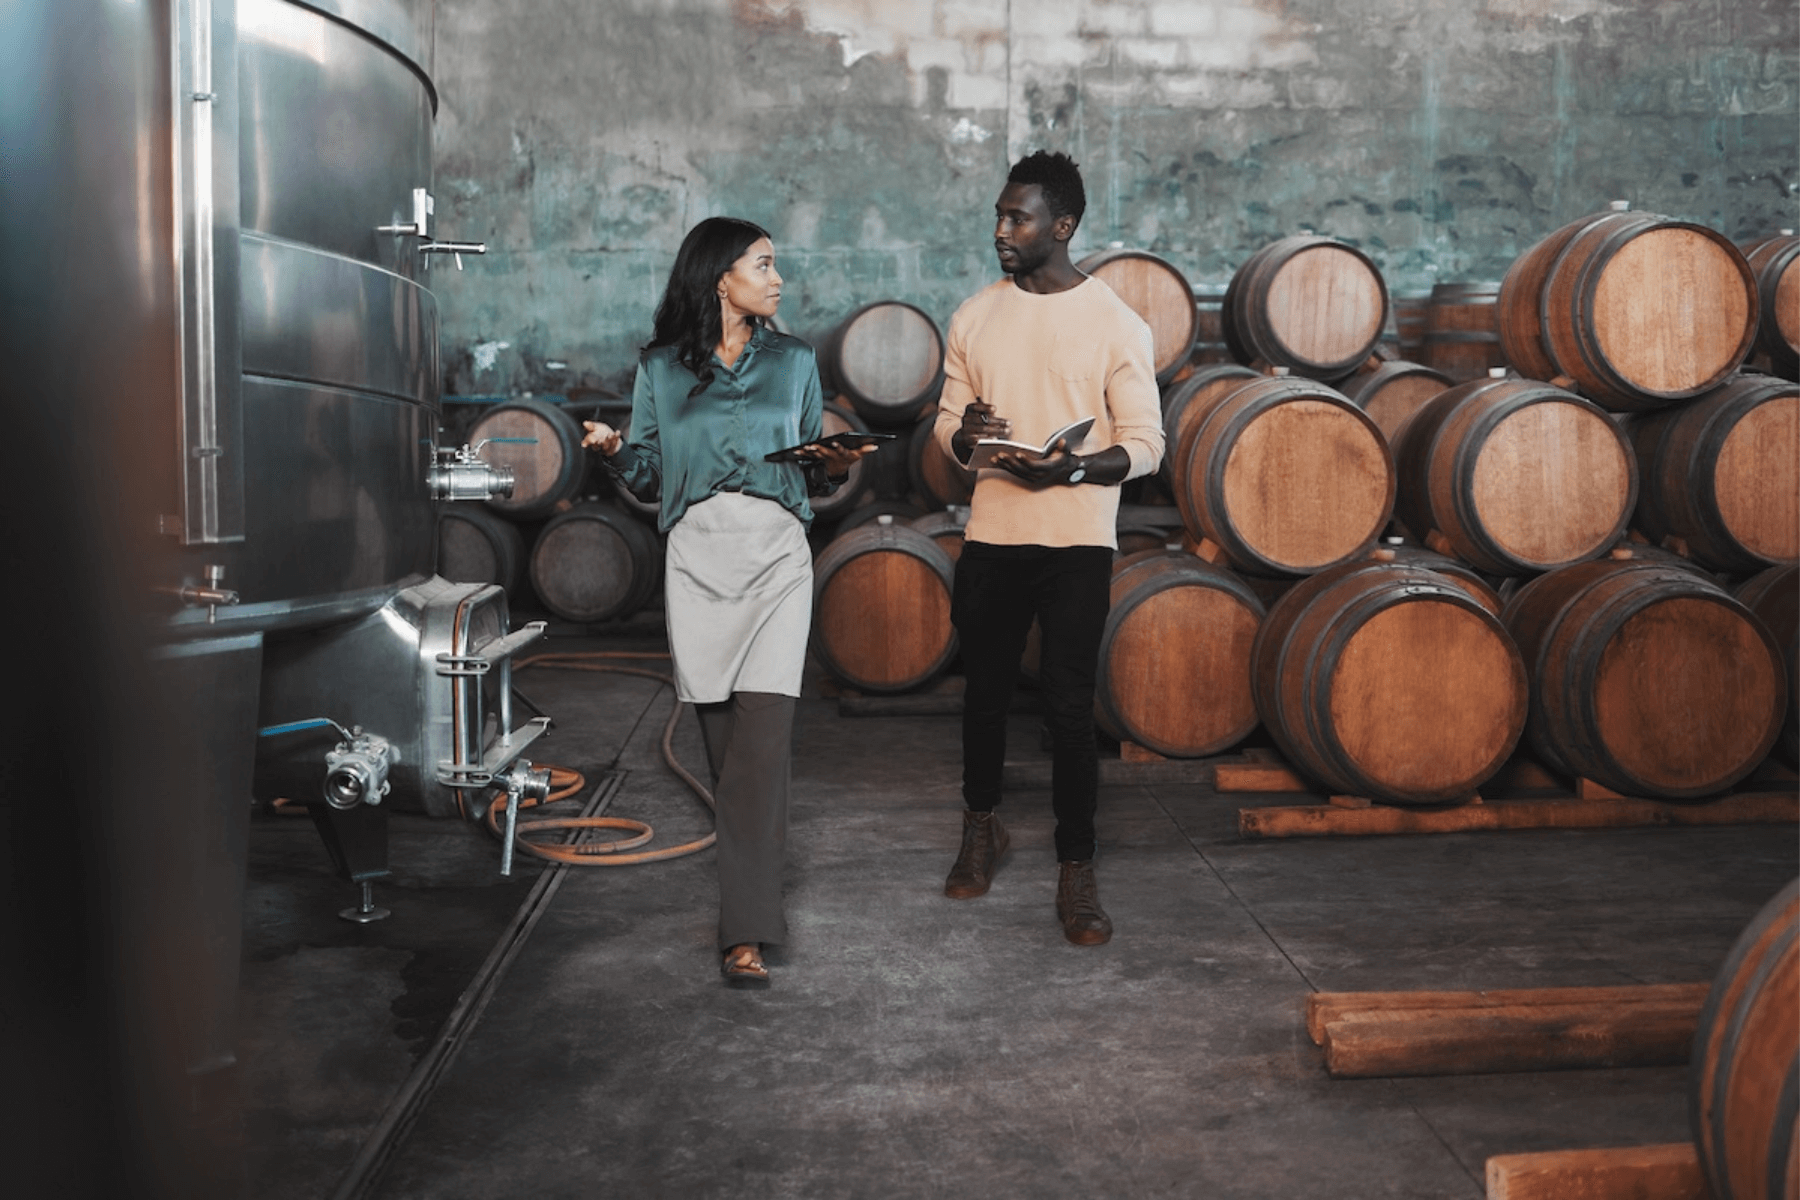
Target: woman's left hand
(838, 459)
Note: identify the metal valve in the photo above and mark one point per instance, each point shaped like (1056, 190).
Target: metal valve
(522, 782)
(209, 594)
(464, 475)
(422, 209)
(458, 249)
(356, 771)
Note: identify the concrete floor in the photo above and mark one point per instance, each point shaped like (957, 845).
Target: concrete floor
(914, 1046)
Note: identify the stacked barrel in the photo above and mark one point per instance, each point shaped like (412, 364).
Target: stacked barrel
(1375, 673)
(1625, 422)
(1648, 675)
(887, 539)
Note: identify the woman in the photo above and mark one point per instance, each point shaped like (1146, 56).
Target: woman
(716, 391)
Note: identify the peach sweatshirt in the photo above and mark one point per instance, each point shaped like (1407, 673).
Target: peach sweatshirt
(1043, 361)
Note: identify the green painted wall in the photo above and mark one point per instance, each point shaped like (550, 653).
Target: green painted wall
(581, 138)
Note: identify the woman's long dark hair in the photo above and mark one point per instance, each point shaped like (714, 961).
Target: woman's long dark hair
(688, 317)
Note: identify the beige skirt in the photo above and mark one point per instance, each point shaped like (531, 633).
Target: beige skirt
(738, 593)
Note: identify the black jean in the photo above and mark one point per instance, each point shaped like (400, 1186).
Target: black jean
(999, 589)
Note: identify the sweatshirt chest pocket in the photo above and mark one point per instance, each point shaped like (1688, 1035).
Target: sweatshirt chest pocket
(1074, 361)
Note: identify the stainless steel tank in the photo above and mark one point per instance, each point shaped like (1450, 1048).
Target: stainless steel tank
(325, 511)
(223, 374)
(320, 515)
(329, 663)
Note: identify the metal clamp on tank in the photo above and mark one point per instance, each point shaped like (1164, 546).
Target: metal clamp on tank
(469, 767)
(522, 781)
(356, 770)
(464, 475)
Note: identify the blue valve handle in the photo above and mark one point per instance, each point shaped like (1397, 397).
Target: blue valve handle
(297, 726)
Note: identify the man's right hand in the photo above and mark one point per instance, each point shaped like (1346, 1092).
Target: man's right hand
(979, 421)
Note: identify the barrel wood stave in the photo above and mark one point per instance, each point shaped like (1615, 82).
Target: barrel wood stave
(1646, 678)
(1312, 304)
(1159, 293)
(594, 562)
(1722, 474)
(887, 360)
(1386, 680)
(1179, 630)
(1744, 1079)
(1285, 475)
(881, 608)
(548, 465)
(1517, 476)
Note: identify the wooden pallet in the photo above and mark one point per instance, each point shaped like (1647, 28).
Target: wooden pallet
(1772, 800)
(1368, 1035)
(1666, 1172)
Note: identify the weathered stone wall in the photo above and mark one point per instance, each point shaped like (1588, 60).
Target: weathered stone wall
(581, 138)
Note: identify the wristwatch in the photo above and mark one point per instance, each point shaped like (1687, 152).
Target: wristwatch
(1077, 475)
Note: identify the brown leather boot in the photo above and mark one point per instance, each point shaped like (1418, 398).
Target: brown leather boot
(1084, 922)
(984, 840)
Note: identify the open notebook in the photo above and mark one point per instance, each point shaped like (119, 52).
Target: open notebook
(985, 449)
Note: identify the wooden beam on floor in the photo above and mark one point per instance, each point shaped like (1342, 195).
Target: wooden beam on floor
(1667, 1172)
(1257, 777)
(1336, 820)
(1381, 1034)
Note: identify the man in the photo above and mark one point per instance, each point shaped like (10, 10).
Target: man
(1027, 355)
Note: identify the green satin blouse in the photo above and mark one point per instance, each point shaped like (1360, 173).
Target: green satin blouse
(686, 448)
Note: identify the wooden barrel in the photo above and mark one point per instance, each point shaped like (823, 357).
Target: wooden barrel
(945, 528)
(1639, 311)
(1744, 1072)
(1157, 292)
(871, 511)
(547, 460)
(1209, 327)
(1311, 304)
(1135, 538)
(937, 479)
(1407, 326)
(1462, 332)
(1646, 678)
(475, 546)
(1775, 262)
(881, 608)
(1720, 476)
(1455, 570)
(1186, 403)
(1286, 476)
(1175, 656)
(594, 563)
(887, 360)
(1628, 548)
(1774, 596)
(1389, 681)
(837, 418)
(1390, 392)
(648, 510)
(1514, 476)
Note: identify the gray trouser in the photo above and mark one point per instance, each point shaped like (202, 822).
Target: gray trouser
(749, 745)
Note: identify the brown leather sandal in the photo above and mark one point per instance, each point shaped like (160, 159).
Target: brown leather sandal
(743, 966)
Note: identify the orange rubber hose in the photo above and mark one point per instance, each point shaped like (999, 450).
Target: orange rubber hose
(604, 854)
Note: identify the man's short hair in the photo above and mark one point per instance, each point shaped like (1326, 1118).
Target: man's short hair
(1059, 178)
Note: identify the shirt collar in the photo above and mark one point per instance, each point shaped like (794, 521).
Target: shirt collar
(761, 339)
